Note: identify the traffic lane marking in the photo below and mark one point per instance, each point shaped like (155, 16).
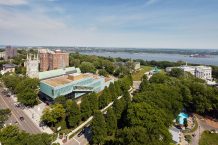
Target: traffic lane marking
(29, 124)
(12, 113)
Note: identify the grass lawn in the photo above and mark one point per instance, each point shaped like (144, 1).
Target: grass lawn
(139, 74)
(209, 138)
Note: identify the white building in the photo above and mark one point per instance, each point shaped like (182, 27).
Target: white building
(137, 65)
(176, 135)
(2, 54)
(8, 68)
(202, 72)
(32, 66)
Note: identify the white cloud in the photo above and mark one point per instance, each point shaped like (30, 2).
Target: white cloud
(13, 2)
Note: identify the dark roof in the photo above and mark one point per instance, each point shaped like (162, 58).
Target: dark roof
(9, 65)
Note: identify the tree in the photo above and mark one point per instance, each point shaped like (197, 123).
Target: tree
(109, 66)
(61, 100)
(98, 128)
(73, 113)
(53, 115)
(176, 72)
(112, 91)
(93, 101)
(111, 122)
(11, 81)
(126, 97)
(118, 107)
(27, 97)
(27, 83)
(152, 119)
(117, 88)
(74, 62)
(104, 98)
(87, 67)
(85, 108)
(103, 72)
(4, 115)
(10, 135)
(185, 122)
(144, 83)
(133, 136)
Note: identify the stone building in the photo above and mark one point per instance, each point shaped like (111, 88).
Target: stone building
(32, 66)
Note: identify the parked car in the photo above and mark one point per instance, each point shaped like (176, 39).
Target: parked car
(22, 118)
(7, 95)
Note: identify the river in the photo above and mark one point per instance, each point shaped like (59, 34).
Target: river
(210, 60)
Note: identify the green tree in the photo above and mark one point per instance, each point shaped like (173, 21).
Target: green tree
(152, 119)
(176, 72)
(133, 136)
(93, 101)
(4, 115)
(85, 108)
(104, 98)
(112, 91)
(185, 122)
(117, 88)
(99, 131)
(53, 115)
(111, 122)
(10, 136)
(27, 97)
(103, 72)
(118, 107)
(74, 62)
(61, 100)
(73, 113)
(87, 67)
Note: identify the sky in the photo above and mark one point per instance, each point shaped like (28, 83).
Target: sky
(110, 23)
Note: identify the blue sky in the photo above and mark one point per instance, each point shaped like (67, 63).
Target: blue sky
(110, 23)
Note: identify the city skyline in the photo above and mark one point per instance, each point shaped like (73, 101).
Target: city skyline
(138, 24)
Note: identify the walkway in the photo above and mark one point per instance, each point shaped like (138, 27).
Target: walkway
(73, 141)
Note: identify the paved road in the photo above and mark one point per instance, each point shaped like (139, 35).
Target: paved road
(26, 125)
(202, 126)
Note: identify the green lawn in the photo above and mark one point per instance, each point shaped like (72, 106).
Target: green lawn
(138, 74)
(209, 138)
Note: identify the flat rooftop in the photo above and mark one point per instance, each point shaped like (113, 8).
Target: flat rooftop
(62, 80)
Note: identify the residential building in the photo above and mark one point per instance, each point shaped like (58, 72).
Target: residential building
(50, 60)
(8, 68)
(32, 66)
(10, 52)
(70, 82)
(202, 72)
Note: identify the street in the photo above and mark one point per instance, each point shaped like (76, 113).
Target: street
(26, 125)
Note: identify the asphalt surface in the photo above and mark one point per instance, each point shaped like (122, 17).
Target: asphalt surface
(202, 126)
(81, 140)
(26, 125)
